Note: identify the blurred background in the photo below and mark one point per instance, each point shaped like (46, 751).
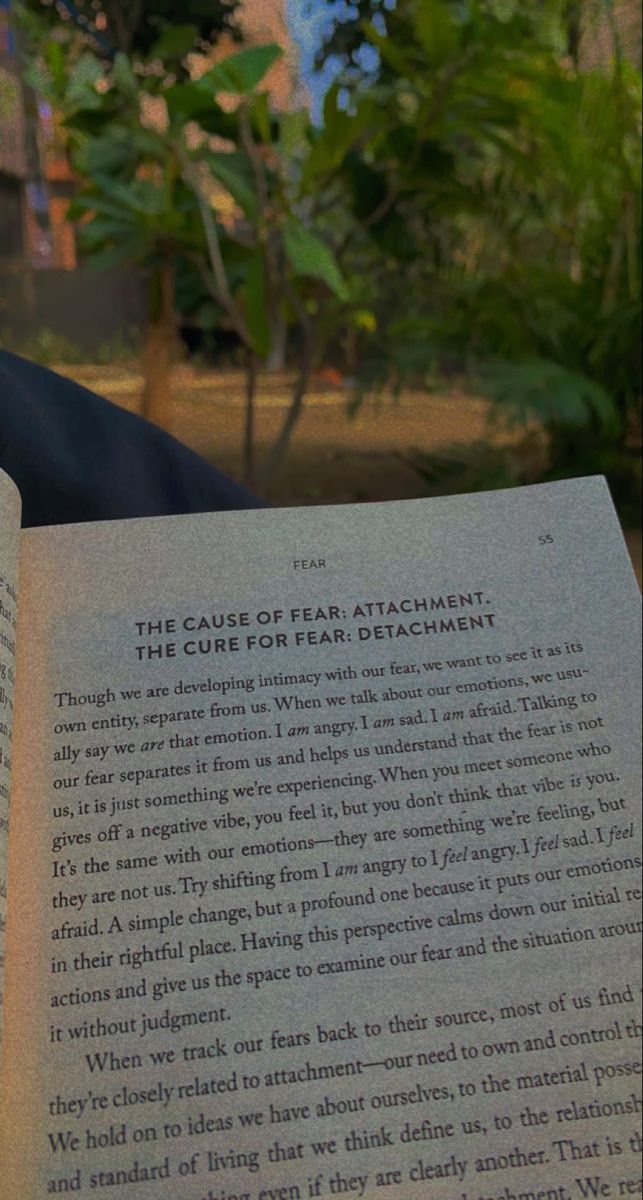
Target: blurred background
(347, 251)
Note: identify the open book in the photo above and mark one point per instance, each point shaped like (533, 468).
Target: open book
(323, 854)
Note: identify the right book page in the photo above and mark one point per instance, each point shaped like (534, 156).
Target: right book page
(324, 855)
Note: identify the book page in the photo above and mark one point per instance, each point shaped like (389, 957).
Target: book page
(325, 873)
(9, 538)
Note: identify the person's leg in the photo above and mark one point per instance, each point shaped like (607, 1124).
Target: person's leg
(76, 457)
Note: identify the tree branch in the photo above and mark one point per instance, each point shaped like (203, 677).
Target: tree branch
(301, 387)
(263, 198)
(248, 143)
(223, 293)
(134, 16)
(383, 207)
(120, 31)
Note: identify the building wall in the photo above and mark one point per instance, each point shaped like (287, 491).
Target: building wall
(87, 309)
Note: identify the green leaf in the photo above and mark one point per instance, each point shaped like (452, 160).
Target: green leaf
(89, 121)
(189, 102)
(126, 250)
(55, 59)
(81, 85)
(436, 31)
(234, 172)
(293, 131)
(111, 154)
(138, 195)
(91, 202)
(550, 392)
(308, 255)
(149, 142)
(340, 131)
(174, 43)
(102, 231)
(393, 54)
(185, 100)
(259, 113)
(123, 75)
(240, 73)
(256, 309)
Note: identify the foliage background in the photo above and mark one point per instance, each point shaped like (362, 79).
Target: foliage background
(467, 207)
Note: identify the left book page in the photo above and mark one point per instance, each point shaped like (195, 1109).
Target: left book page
(9, 548)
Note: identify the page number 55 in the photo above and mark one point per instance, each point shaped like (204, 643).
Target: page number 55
(545, 539)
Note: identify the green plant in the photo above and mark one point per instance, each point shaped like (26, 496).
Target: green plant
(480, 466)
(229, 229)
(503, 194)
(45, 347)
(122, 349)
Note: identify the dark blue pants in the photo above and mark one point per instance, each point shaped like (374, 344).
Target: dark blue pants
(76, 457)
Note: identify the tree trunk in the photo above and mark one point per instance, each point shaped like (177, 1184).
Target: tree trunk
(160, 349)
(279, 341)
(249, 430)
(282, 442)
